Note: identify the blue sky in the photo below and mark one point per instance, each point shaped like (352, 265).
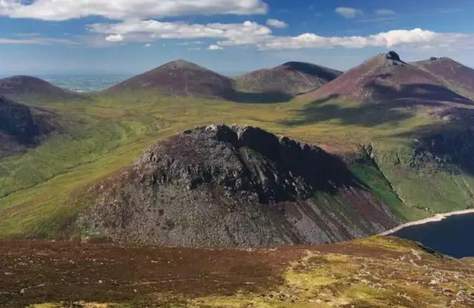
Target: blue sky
(230, 36)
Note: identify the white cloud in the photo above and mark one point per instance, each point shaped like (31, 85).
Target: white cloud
(151, 30)
(384, 12)
(254, 34)
(383, 39)
(275, 23)
(114, 38)
(35, 40)
(57, 10)
(348, 12)
(215, 47)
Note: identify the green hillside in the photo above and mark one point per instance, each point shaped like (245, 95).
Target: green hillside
(42, 189)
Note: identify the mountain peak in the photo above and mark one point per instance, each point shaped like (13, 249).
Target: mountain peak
(387, 78)
(179, 78)
(29, 89)
(231, 186)
(290, 78)
(181, 65)
(392, 55)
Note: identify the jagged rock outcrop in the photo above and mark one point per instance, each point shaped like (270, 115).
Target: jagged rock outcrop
(221, 186)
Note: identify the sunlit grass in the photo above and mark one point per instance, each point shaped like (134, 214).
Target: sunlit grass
(103, 134)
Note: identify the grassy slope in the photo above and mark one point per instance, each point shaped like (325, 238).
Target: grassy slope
(39, 189)
(375, 272)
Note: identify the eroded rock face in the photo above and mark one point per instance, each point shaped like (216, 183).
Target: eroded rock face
(221, 186)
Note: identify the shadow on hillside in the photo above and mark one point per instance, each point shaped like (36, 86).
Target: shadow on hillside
(369, 114)
(260, 98)
(417, 94)
(451, 143)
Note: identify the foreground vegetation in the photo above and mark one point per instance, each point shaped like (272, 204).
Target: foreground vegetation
(374, 272)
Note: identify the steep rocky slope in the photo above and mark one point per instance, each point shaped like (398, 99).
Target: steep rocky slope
(291, 78)
(386, 78)
(21, 126)
(454, 74)
(32, 90)
(234, 187)
(179, 78)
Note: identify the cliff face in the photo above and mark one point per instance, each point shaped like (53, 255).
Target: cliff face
(221, 186)
(17, 120)
(21, 126)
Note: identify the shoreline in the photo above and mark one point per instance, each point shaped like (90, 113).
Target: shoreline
(436, 218)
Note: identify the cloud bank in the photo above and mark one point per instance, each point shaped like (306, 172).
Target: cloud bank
(143, 21)
(253, 34)
(58, 10)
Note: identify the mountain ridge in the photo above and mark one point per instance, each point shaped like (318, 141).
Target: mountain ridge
(451, 72)
(33, 90)
(386, 78)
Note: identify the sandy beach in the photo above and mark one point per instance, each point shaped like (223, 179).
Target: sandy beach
(437, 217)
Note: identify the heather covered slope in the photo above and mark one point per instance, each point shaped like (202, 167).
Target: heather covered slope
(374, 272)
(291, 78)
(387, 79)
(452, 73)
(221, 186)
(32, 90)
(178, 78)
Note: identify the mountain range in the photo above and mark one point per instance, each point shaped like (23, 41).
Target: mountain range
(372, 141)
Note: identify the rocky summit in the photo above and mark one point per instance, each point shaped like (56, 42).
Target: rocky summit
(234, 186)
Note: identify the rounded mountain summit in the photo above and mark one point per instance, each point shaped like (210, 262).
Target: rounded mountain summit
(183, 78)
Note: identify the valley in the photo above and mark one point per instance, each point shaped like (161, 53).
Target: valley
(101, 134)
(114, 167)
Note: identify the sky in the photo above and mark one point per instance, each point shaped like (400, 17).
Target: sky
(229, 36)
